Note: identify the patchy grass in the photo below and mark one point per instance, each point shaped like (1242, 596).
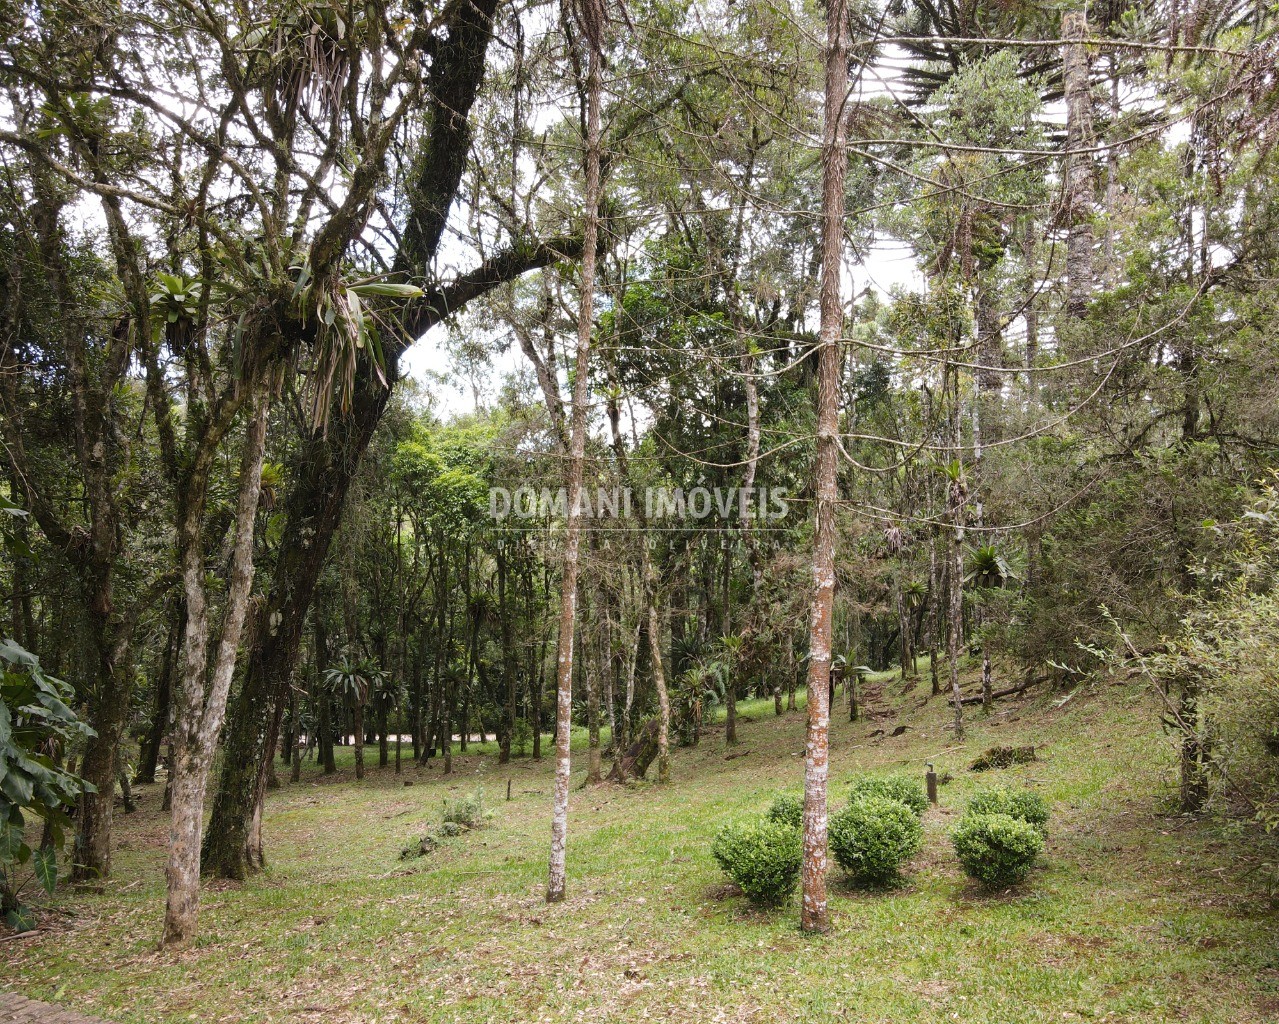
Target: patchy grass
(1134, 915)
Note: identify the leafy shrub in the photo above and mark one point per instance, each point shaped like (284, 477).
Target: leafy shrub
(996, 849)
(522, 736)
(467, 810)
(873, 836)
(788, 809)
(1220, 668)
(34, 720)
(1002, 757)
(763, 857)
(1022, 804)
(421, 847)
(891, 787)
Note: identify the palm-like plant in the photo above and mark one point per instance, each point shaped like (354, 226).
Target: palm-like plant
(988, 569)
(353, 682)
(695, 689)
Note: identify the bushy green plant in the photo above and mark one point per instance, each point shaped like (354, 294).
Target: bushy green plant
(1022, 804)
(873, 836)
(35, 719)
(996, 849)
(1002, 757)
(787, 808)
(763, 857)
(467, 810)
(522, 736)
(891, 787)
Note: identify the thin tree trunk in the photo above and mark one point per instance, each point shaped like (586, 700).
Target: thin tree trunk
(592, 719)
(956, 496)
(508, 659)
(556, 880)
(357, 722)
(979, 518)
(663, 699)
(149, 755)
(814, 916)
(1080, 181)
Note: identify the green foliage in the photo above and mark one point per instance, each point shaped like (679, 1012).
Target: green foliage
(891, 787)
(996, 849)
(873, 836)
(1022, 804)
(420, 847)
(763, 857)
(1220, 668)
(522, 736)
(1002, 757)
(987, 567)
(34, 722)
(467, 810)
(788, 809)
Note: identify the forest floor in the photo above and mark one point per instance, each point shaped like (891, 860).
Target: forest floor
(1136, 914)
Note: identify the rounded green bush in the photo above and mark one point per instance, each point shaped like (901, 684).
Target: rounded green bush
(893, 787)
(788, 809)
(996, 849)
(763, 857)
(1022, 804)
(873, 836)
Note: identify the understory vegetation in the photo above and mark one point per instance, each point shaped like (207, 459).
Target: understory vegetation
(1132, 911)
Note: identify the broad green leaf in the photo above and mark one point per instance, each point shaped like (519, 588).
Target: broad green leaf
(20, 919)
(45, 865)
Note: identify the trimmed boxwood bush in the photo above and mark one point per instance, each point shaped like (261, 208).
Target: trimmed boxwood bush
(1022, 804)
(892, 787)
(873, 836)
(763, 857)
(996, 849)
(788, 809)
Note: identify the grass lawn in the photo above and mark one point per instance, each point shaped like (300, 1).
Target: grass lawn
(1135, 914)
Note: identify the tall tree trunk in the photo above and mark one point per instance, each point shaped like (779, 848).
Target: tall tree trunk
(1080, 183)
(659, 682)
(200, 709)
(593, 687)
(96, 809)
(508, 658)
(592, 24)
(357, 724)
(632, 657)
(149, 755)
(956, 497)
(814, 916)
(979, 518)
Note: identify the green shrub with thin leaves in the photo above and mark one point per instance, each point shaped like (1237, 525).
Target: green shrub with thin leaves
(35, 722)
(522, 737)
(467, 810)
(788, 809)
(1022, 804)
(873, 836)
(763, 857)
(996, 849)
(892, 787)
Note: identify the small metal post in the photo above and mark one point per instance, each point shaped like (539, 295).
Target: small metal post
(508, 789)
(931, 780)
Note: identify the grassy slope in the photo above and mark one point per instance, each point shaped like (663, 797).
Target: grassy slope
(1134, 915)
